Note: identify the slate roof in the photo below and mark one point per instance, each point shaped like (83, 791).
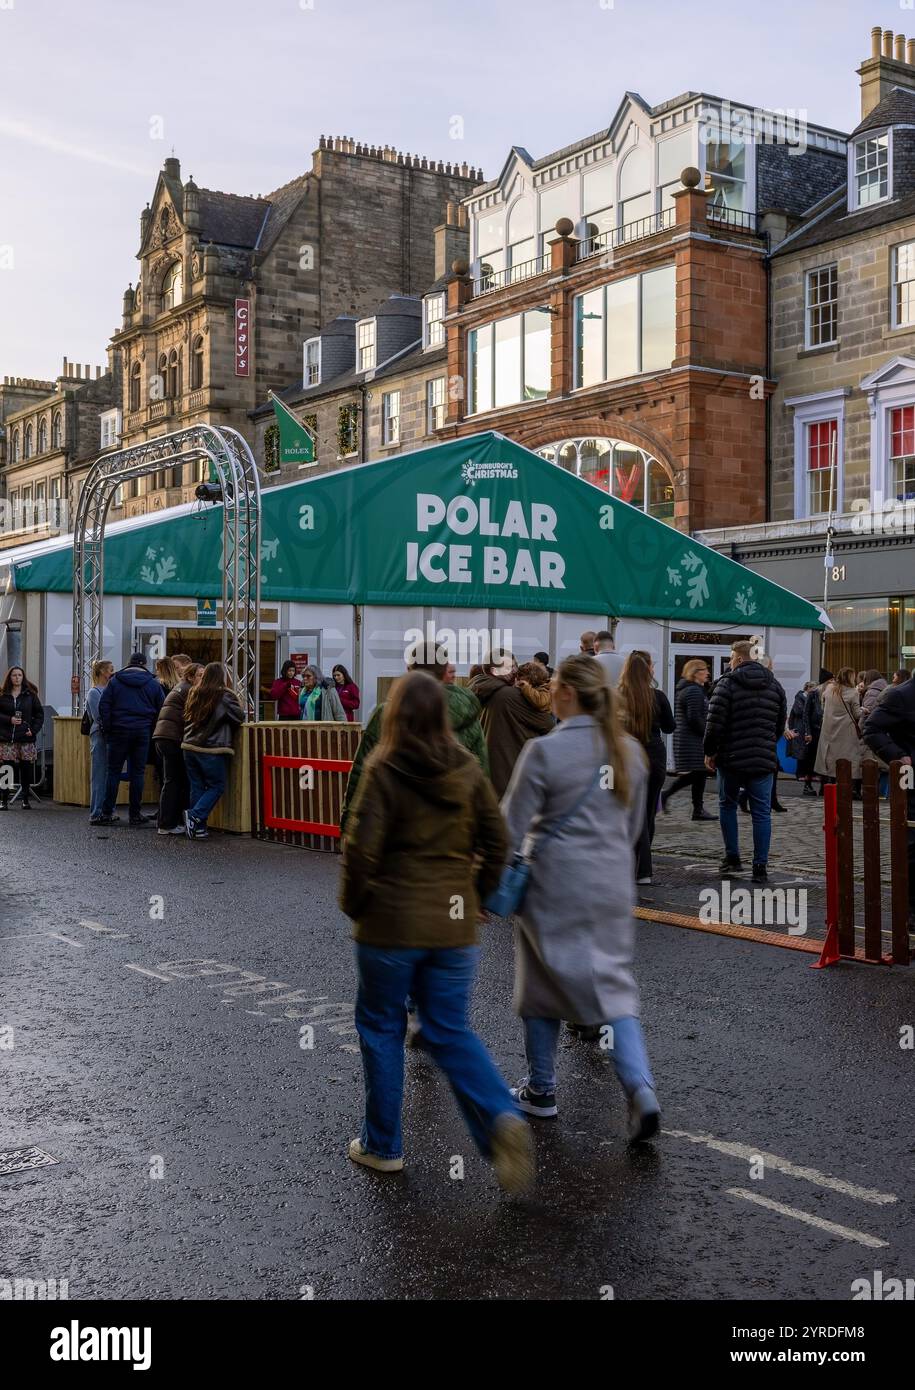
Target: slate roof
(305, 395)
(231, 219)
(838, 222)
(896, 108)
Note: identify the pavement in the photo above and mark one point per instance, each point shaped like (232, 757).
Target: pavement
(156, 998)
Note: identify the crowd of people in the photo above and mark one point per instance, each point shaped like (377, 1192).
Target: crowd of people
(182, 720)
(539, 782)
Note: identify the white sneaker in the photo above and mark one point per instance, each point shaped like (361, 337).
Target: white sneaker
(381, 1165)
(646, 879)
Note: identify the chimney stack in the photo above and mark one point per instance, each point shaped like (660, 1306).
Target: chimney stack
(891, 66)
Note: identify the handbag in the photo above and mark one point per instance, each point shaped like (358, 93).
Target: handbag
(85, 724)
(509, 896)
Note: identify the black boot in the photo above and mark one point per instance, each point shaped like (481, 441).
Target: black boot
(25, 782)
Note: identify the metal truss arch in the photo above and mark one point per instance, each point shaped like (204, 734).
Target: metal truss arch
(233, 463)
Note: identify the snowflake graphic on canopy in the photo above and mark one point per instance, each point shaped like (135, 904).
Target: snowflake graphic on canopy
(166, 567)
(696, 575)
(745, 601)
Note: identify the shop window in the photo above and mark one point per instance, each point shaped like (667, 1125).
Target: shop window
(510, 361)
(625, 328)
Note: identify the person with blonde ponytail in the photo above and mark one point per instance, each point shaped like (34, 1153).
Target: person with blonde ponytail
(575, 805)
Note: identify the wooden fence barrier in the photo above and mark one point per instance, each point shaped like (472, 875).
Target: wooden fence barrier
(839, 829)
(287, 806)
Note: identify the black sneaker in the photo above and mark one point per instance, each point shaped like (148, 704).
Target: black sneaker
(730, 864)
(585, 1032)
(540, 1103)
(808, 790)
(703, 815)
(141, 820)
(759, 874)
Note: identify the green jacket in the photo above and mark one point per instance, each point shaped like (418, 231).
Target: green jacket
(464, 710)
(426, 842)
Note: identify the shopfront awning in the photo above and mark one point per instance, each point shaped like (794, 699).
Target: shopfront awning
(479, 522)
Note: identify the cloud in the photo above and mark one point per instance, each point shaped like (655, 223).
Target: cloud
(19, 130)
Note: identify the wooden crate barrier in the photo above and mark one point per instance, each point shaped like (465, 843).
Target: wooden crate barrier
(284, 808)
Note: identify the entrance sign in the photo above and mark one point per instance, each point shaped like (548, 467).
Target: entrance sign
(474, 523)
(300, 661)
(206, 612)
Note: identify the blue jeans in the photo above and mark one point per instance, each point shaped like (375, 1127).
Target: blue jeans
(440, 981)
(759, 795)
(207, 774)
(131, 747)
(98, 772)
(630, 1055)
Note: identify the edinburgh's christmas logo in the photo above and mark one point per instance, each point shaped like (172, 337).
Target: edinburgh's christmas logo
(472, 473)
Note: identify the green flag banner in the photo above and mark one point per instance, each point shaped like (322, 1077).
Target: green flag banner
(297, 444)
(478, 522)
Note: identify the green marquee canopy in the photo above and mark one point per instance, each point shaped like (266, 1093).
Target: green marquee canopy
(479, 522)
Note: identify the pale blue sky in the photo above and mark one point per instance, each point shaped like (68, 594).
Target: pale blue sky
(245, 90)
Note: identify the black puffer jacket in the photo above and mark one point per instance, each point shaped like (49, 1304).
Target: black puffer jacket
(31, 712)
(890, 727)
(690, 709)
(746, 718)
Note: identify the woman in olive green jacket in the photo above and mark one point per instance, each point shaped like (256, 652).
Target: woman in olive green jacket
(425, 842)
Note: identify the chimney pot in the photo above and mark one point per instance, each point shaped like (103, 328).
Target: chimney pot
(900, 48)
(876, 34)
(910, 51)
(887, 43)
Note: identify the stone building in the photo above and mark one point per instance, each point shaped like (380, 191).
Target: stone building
(230, 287)
(376, 384)
(843, 412)
(615, 319)
(50, 443)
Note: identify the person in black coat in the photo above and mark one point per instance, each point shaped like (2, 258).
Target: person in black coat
(690, 710)
(802, 743)
(127, 715)
(21, 718)
(746, 718)
(647, 716)
(889, 731)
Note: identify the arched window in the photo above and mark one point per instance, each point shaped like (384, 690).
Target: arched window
(57, 430)
(635, 188)
(29, 442)
(624, 470)
(135, 374)
(173, 287)
(43, 437)
(197, 363)
(174, 374)
(522, 243)
(161, 385)
(14, 456)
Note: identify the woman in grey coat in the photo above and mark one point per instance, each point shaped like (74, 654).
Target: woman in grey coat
(575, 935)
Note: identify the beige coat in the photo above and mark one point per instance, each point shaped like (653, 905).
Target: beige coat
(838, 736)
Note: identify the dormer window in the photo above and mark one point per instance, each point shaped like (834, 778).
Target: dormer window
(365, 345)
(311, 375)
(173, 287)
(433, 320)
(870, 158)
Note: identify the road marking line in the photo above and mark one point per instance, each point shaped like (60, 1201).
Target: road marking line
(845, 1232)
(153, 974)
(784, 1165)
(100, 927)
(59, 936)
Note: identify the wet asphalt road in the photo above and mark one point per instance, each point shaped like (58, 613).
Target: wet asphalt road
(122, 1074)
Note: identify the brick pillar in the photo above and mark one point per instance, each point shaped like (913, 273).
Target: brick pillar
(562, 258)
(691, 202)
(460, 287)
